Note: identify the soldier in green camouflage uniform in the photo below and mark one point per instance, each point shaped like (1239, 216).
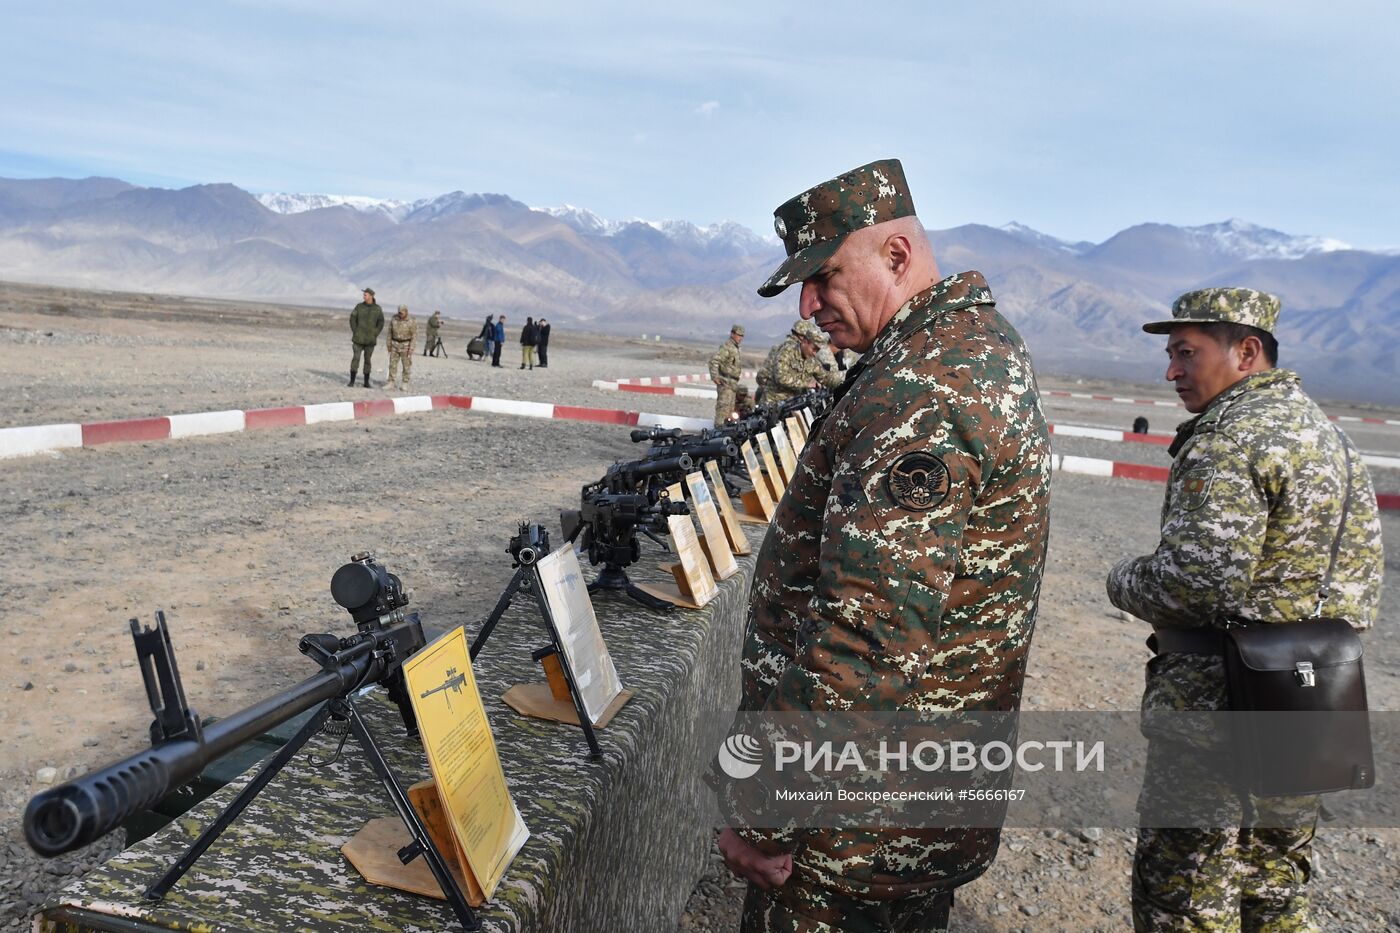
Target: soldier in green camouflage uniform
(403, 332)
(1252, 507)
(725, 370)
(903, 566)
(743, 402)
(366, 321)
(430, 346)
(792, 366)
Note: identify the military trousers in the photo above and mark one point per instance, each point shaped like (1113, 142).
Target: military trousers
(803, 907)
(399, 358)
(724, 403)
(527, 357)
(368, 350)
(1232, 871)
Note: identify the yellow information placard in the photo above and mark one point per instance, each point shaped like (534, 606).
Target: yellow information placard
(716, 542)
(738, 541)
(463, 759)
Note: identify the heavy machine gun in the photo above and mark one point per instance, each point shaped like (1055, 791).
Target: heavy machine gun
(630, 498)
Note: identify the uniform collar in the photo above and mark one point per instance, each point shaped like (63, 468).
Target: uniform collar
(1222, 402)
(956, 291)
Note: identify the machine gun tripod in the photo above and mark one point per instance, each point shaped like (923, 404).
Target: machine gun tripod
(83, 810)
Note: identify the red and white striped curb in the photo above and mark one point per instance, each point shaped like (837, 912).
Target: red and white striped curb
(1106, 434)
(1154, 474)
(1164, 403)
(673, 380)
(45, 438)
(607, 386)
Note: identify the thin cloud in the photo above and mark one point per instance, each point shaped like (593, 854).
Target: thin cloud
(708, 108)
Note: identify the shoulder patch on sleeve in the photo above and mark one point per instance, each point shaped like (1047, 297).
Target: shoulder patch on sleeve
(1195, 487)
(918, 481)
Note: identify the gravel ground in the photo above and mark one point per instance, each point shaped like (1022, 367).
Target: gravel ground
(236, 538)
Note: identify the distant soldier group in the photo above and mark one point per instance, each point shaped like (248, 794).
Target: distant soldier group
(800, 362)
(367, 323)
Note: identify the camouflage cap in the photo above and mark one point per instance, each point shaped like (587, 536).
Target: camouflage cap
(742, 391)
(1221, 306)
(813, 225)
(810, 331)
(737, 329)
(368, 291)
(403, 308)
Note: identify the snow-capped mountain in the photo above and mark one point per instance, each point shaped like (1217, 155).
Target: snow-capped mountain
(300, 203)
(1249, 241)
(724, 234)
(1045, 240)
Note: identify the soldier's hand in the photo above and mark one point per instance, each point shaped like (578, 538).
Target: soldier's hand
(747, 862)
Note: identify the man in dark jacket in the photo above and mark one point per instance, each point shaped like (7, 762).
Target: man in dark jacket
(366, 323)
(542, 342)
(528, 336)
(500, 340)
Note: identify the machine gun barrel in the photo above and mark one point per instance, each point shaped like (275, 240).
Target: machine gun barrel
(83, 810)
(710, 448)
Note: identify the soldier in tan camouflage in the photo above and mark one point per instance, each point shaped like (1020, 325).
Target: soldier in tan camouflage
(1253, 504)
(403, 332)
(903, 566)
(725, 370)
(793, 366)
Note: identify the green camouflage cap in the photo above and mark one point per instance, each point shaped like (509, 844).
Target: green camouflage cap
(813, 225)
(1221, 306)
(810, 331)
(737, 329)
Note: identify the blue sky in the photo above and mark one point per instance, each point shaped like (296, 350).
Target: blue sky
(1076, 118)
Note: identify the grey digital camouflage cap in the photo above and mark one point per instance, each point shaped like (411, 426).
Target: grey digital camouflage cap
(813, 225)
(737, 329)
(810, 331)
(1221, 306)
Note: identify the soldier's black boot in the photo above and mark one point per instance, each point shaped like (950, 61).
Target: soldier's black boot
(367, 379)
(353, 374)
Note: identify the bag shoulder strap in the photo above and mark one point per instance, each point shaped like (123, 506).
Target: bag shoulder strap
(1341, 526)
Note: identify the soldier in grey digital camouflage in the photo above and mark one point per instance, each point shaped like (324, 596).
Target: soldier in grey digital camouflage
(793, 366)
(403, 333)
(366, 322)
(1252, 507)
(903, 566)
(725, 370)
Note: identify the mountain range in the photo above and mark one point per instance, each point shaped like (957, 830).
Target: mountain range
(1078, 304)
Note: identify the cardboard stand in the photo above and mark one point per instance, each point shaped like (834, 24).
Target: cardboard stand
(694, 586)
(465, 810)
(553, 700)
(757, 502)
(713, 540)
(733, 530)
(777, 482)
(526, 580)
